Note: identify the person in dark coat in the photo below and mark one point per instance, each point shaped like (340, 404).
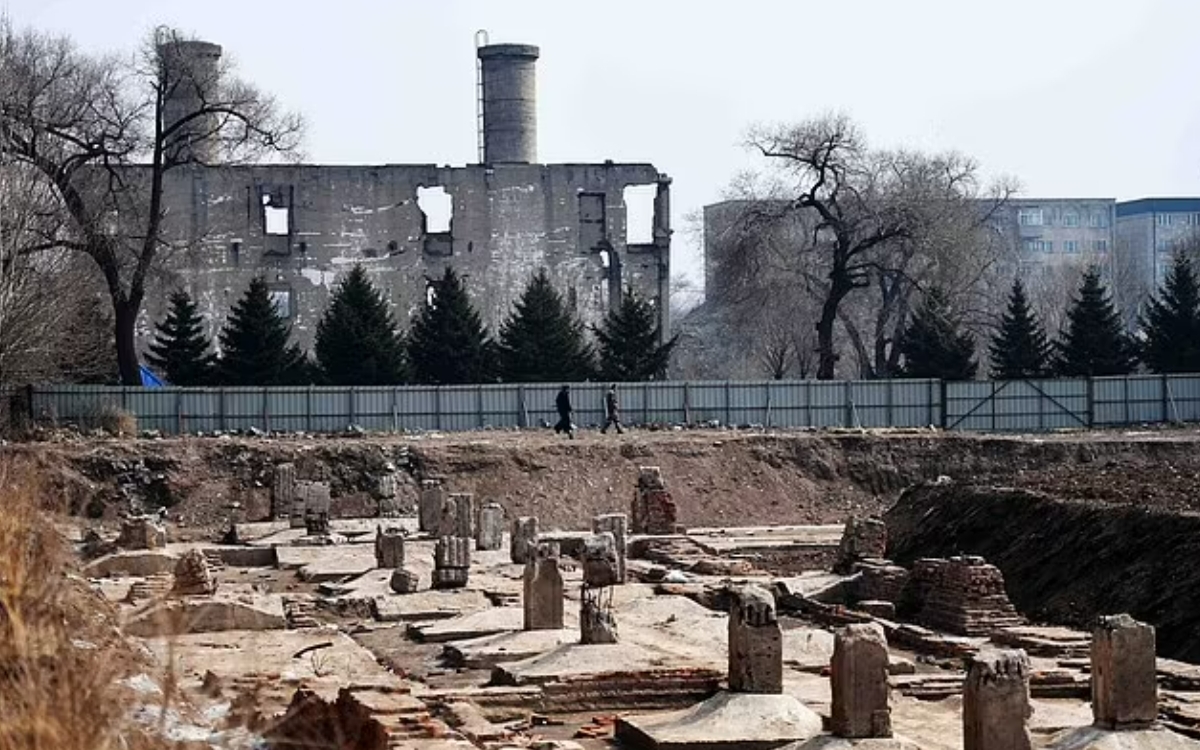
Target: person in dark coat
(563, 404)
(612, 411)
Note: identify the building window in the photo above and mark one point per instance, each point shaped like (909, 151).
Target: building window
(1164, 220)
(1195, 220)
(1097, 220)
(1038, 246)
(1070, 219)
(1161, 246)
(1070, 246)
(1100, 246)
(281, 299)
(1030, 217)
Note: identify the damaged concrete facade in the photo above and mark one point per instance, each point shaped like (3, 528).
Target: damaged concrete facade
(303, 226)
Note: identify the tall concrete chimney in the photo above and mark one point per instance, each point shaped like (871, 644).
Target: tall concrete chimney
(509, 103)
(190, 71)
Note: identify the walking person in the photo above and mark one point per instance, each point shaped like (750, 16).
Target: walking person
(563, 403)
(612, 411)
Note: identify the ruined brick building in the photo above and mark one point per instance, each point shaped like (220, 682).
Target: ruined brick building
(303, 226)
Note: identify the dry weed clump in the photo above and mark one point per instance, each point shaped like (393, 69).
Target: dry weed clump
(114, 420)
(60, 654)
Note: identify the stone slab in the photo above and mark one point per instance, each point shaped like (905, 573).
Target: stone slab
(829, 742)
(731, 540)
(1094, 738)
(428, 605)
(469, 626)
(136, 562)
(587, 662)
(488, 651)
(207, 615)
(332, 563)
(727, 721)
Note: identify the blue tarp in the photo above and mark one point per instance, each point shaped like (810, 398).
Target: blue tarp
(150, 380)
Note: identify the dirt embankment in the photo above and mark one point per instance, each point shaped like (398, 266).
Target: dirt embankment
(1066, 562)
(717, 477)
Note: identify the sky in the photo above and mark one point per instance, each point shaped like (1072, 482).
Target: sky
(1070, 98)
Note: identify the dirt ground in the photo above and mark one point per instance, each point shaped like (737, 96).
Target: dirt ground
(717, 477)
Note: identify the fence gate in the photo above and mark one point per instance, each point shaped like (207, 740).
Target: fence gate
(1017, 405)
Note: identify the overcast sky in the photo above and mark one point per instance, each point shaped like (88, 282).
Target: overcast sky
(1073, 98)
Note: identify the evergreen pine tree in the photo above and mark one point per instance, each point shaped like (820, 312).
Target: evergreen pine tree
(629, 348)
(357, 342)
(542, 341)
(180, 351)
(254, 343)
(1171, 322)
(1021, 349)
(1094, 342)
(447, 343)
(932, 345)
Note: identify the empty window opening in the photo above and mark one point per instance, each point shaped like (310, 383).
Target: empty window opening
(235, 252)
(281, 299)
(639, 214)
(593, 229)
(437, 207)
(275, 216)
(370, 252)
(303, 247)
(392, 247)
(572, 299)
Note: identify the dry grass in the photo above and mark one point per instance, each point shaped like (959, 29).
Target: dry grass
(59, 652)
(114, 420)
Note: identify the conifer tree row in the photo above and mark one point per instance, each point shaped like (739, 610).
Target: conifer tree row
(180, 351)
(1093, 342)
(932, 345)
(1021, 349)
(629, 342)
(542, 341)
(255, 347)
(447, 343)
(357, 340)
(1171, 321)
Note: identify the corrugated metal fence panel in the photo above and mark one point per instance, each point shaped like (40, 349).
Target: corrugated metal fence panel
(968, 405)
(972, 405)
(708, 401)
(789, 403)
(664, 402)
(827, 404)
(501, 405)
(870, 403)
(1184, 397)
(747, 403)
(916, 403)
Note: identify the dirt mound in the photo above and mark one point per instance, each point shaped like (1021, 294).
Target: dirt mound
(717, 477)
(1065, 562)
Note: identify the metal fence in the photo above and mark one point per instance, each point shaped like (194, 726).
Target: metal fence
(1025, 405)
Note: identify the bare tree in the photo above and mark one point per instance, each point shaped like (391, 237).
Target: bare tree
(103, 135)
(860, 219)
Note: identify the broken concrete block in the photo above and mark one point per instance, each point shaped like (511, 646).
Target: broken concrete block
(524, 539)
(141, 532)
(543, 590)
(429, 505)
(859, 677)
(596, 622)
(616, 524)
(491, 527)
(193, 576)
(283, 490)
(755, 642)
(404, 581)
(862, 539)
(389, 547)
(451, 562)
(1124, 682)
(653, 509)
(600, 561)
(996, 701)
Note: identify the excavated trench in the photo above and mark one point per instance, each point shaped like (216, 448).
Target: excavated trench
(1065, 561)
